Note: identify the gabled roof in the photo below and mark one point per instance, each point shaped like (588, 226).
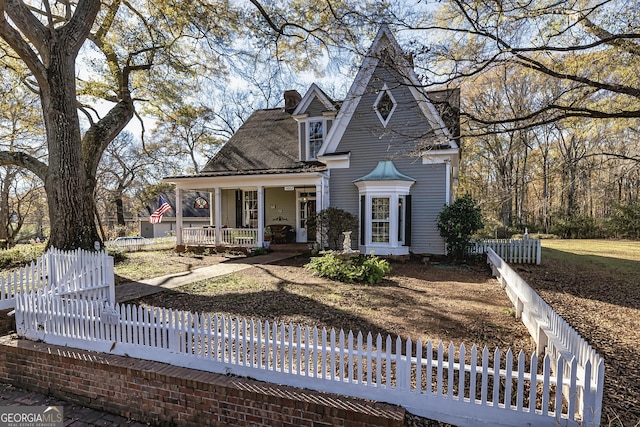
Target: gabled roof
(314, 92)
(266, 142)
(385, 42)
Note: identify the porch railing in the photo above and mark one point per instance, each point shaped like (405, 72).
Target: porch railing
(208, 236)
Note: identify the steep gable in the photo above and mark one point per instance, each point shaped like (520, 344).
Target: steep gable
(386, 56)
(315, 115)
(315, 102)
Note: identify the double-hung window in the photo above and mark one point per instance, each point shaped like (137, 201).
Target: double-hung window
(380, 219)
(251, 209)
(315, 138)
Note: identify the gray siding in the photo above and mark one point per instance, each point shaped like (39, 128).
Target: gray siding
(315, 109)
(302, 140)
(368, 141)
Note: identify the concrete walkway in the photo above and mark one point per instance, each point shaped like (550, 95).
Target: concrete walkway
(133, 290)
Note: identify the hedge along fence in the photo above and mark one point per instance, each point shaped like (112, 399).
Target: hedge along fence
(447, 383)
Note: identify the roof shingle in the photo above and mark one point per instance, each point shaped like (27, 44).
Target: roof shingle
(268, 140)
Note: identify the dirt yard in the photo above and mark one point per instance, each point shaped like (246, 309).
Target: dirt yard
(605, 310)
(441, 302)
(434, 302)
(429, 301)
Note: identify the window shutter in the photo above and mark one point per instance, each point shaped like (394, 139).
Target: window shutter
(407, 220)
(363, 219)
(239, 208)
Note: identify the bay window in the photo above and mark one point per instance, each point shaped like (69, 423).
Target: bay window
(385, 210)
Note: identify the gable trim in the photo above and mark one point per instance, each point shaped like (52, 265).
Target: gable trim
(313, 92)
(336, 161)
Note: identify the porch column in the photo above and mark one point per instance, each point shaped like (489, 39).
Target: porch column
(217, 203)
(178, 216)
(212, 216)
(319, 207)
(319, 197)
(260, 216)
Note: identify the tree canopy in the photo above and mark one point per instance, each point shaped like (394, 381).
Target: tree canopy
(82, 56)
(590, 47)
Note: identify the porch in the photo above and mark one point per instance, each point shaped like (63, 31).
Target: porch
(244, 238)
(242, 215)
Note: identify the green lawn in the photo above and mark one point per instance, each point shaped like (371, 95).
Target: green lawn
(608, 256)
(147, 264)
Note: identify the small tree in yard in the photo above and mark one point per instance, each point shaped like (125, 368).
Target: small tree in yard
(457, 222)
(333, 222)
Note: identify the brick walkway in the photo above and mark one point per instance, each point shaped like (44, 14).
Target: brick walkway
(74, 415)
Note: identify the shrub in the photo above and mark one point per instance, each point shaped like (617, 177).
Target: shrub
(577, 227)
(333, 222)
(119, 254)
(19, 256)
(625, 221)
(350, 268)
(260, 251)
(457, 222)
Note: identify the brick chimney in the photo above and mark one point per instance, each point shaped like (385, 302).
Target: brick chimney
(291, 100)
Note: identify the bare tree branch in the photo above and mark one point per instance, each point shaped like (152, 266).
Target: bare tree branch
(26, 161)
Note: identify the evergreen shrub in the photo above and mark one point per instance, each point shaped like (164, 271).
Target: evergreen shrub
(350, 268)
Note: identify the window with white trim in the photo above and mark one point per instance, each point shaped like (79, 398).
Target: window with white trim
(251, 209)
(385, 105)
(380, 219)
(315, 138)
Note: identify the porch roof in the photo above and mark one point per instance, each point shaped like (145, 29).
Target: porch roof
(309, 167)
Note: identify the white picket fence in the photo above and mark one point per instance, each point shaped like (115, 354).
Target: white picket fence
(447, 383)
(554, 336)
(77, 274)
(451, 384)
(134, 244)
(207, 236)
(515, 251)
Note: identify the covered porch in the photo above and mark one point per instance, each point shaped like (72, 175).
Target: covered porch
(243, 214)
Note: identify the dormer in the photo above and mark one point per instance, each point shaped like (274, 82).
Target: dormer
(315, 114)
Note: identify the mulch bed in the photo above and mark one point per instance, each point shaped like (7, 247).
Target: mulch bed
(605, 311)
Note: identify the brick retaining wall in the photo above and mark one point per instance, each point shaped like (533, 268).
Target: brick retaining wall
(7, 323)
(162, 394)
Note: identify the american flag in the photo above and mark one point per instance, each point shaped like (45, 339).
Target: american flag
(156, 217)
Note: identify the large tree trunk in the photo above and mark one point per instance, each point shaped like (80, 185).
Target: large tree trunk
(50, 51)
(69, 189)
(117, 200)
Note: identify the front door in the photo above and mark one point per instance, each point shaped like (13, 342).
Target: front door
(306, 207)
